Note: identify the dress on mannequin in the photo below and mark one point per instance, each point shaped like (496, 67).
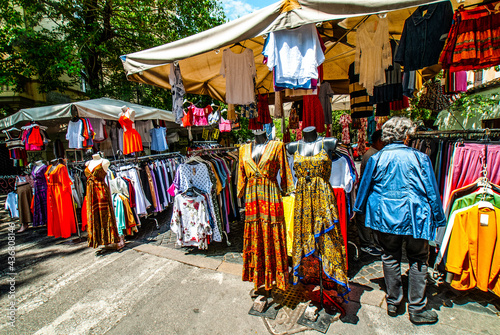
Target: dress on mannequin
(265, 260)
(316, 226)
(132, 141)
(40, 194)
(101, 221)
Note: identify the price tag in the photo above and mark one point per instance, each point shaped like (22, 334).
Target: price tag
(484, 219)
(216, 134)
(206, 134)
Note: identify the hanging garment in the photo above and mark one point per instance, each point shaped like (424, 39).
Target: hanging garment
(361, 102)
(473, 42)
(61, 219)
(101, 218)
(200, 115)
(159, 139)
(264, 241)
(24, 197)
(178, 91)
(373, 53)
(316, 225)
(313, 113)
(362, 136)
(40, 195)
(132, 141)
(99, 128)
(144, 128)
(263, 107)
(190, 221)
(294, 55)
(239, 71)
(421, 43)
(11, 205)
(74, 134)
(345, 120)
(325, 95)
(473, 252)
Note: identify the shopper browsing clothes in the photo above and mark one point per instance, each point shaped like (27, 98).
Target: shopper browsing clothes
(399, 196)
(366, 240)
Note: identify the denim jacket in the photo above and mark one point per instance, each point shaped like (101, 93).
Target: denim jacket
(399, 193)
(421, 42)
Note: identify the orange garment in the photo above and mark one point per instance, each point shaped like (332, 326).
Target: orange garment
(35, 137)
(132, 141)
(61, 221)
(474, 250)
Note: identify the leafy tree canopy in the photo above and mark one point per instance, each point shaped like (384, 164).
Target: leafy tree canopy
(59, 42)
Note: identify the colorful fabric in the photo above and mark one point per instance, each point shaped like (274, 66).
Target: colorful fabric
(102, 225)
(263, 107)
(362, 136)
(131, 139)
(345, 120)
(316, 225)
(61, 219)
(313, 113)
(264, 242)
(40, 196)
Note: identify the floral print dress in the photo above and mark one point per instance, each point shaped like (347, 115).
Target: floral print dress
(264, 241)
(345, 120)
(316, 225)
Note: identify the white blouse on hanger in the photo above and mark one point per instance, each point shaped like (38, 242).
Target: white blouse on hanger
(373, 53)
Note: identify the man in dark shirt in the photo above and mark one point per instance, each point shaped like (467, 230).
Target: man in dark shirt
(366, 239)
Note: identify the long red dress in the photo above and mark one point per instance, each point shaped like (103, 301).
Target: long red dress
(132, 141)
(61, 219)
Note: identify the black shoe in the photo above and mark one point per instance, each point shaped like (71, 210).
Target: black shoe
(424, 317)
(372, 251)
(392, 310)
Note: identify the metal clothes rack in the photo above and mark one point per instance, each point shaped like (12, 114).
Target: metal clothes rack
(485, 131)
(194, 152)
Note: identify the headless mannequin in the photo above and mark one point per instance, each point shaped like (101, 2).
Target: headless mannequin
(96, 160)
(54, 163)
(259, 146)
(312, 143)
(130, 113)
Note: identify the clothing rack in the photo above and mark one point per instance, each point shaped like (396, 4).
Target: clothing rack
(448, 133)
(194, 152)
(135, 159)
(205, 142)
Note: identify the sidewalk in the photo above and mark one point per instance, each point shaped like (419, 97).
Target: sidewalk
(459, 312)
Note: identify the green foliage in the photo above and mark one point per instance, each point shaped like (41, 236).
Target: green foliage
(49, 40)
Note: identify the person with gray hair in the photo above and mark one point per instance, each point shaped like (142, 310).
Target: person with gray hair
(399, 196)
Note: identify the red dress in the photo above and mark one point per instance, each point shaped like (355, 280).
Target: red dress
(61, 220)
(132, 141)
(313, 113)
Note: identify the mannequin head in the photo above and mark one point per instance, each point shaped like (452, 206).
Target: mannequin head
(124, 109)
(260, 137)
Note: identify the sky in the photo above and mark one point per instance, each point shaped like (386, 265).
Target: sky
(238, 8)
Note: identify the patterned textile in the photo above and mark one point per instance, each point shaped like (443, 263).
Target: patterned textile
(264, 242)
(101, 229)
(40, 196)
(345, 120)
(61, 219)
(362, 136)
(317, 231)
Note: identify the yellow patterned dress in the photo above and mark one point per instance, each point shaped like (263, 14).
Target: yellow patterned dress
(264, 241)
(316, 226)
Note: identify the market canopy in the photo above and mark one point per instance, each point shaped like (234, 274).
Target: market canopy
(200, 55)
(103, 108)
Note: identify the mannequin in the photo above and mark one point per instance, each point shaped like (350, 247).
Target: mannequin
(130, 113)
(259, 146)
(96, 160)
(312, 143)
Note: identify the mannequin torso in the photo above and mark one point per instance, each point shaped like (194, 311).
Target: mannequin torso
(130, 114)
(259, 146)
(312, 144)
(96, 160)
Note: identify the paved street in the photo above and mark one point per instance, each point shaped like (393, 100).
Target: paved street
(149, 288)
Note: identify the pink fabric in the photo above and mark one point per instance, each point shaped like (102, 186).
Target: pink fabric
(200, 115)
(468, 164)
(461, 81)
(225, 125)
(171, 190)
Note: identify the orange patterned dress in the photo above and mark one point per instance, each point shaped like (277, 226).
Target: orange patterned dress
(264, 242)
(101, 228)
